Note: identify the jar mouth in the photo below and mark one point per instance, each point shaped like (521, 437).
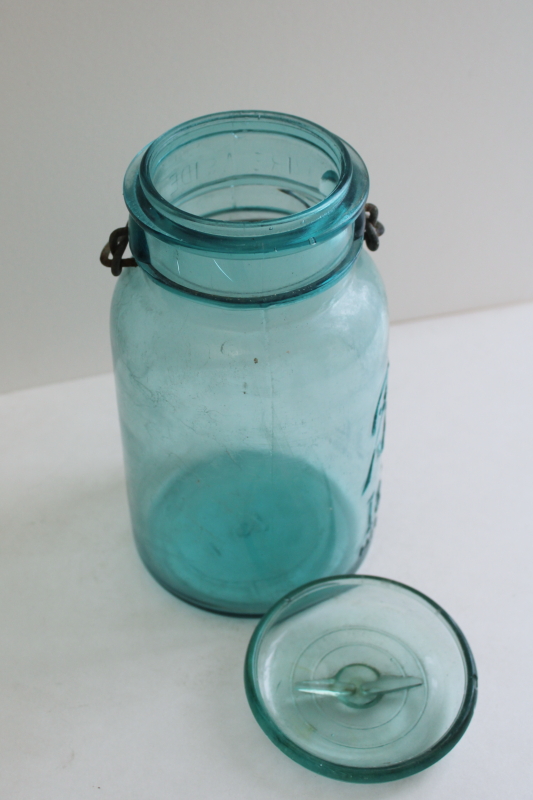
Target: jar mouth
(246, 181)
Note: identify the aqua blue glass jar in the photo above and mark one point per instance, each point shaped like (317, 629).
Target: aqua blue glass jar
(250, 354)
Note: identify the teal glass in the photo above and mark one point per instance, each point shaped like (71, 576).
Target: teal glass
(250, 354)
(361, 679)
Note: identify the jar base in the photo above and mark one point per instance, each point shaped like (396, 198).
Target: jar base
(237, 532)
(213, 608)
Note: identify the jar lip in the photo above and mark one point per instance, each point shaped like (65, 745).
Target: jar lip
(322, 220)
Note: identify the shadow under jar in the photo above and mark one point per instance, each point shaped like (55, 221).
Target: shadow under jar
(250, 354)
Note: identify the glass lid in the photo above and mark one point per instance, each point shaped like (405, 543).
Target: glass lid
(361, 678)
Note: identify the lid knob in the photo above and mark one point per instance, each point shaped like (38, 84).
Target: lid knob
(358, 685)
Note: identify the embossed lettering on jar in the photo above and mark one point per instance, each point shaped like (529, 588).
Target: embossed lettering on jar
(250, 352)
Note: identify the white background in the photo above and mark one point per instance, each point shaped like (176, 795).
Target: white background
(434, 94)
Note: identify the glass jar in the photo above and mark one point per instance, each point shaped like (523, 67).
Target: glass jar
(250, 354)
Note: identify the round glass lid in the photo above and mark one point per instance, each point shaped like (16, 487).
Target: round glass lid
(361, 678)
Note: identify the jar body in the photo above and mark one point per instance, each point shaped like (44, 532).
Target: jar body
(252, 434)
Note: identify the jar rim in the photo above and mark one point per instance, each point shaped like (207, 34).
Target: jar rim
(320, 221)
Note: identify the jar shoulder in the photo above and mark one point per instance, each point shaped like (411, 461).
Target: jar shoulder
(351, 313)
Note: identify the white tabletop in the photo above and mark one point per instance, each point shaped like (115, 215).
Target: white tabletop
(112, 688)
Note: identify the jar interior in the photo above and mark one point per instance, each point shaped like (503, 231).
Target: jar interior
(245, 175)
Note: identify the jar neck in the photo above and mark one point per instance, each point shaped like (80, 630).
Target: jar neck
(246, 207)
(266, 279)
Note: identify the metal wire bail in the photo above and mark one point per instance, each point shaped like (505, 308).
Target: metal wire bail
(373, 227)
(111, 255)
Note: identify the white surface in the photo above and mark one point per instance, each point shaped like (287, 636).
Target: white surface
(436, 96)
(112, 688)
